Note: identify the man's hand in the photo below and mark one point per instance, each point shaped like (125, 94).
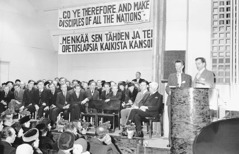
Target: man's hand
(123, 104)
(107, 100)
(107, 139)
(3, 102)
(135, 107)
(143, 108)
(21, 108)
(46, 108)
(66, 107)
(36, 107)
(85, 101)
(43, 104)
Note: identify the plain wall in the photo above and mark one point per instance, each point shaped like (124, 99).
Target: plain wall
(25, 42)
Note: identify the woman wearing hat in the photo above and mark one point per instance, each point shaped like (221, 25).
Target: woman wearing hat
(25, 123)
(31, 137)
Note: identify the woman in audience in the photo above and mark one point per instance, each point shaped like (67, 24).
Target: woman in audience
(25, 125)
(31, 137)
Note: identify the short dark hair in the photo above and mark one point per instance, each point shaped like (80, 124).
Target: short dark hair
(6, 132)
(40, 81)
(203, 60)
(179, 61)
(139, 73)
(31, 81)
(17, 80)
(130, 84)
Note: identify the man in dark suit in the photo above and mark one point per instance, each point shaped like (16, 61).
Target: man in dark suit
(149, 108)
(16, 103)
(91, 95)
(106, 93)
(8, 136)
(42, 99)
(180, 80)
(62, 103)
(75, 102)
(5, 97)
(138, 78)
(204, 77)
(52, 99)
(29, 101)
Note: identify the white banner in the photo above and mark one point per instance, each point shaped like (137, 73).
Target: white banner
(115, 13)
(115, 41)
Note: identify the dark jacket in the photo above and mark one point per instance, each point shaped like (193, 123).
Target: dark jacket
(61, 99)
(74, 99)
(29, 97)
(154, 102)
(6, 148)
(42, 97)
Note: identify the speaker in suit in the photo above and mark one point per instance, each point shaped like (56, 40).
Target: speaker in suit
(204, 79)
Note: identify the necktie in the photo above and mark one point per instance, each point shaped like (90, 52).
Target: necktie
(92, 92)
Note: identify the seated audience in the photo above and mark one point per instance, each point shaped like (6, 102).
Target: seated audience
(8, 136)
(102, 142)
(5, 97)
(149, 108)
(75, 100)
(62, 104)
(31, 137)
(16, 103)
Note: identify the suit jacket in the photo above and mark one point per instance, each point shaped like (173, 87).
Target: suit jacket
(19, 95)
(140, 80)
(61, 99)
(97, 147)
(206, 78)
(29, 97)
(52, 97)
(153, 102)
(116, 97)
(141, 98)
(186, 82)
(131, 95)
(93, 97)
(6, 148)
(42, 97)
(8, 98)
(74, 99)
(105, 96)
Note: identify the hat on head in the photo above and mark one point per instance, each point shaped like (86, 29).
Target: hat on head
(66, 141)
(31, 135)
(24, 148)
(24, 119)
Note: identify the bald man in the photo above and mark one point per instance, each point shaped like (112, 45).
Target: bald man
(149, 108)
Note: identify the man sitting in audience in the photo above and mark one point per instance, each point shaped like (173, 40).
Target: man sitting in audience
(91, 95)
(141, 97)
(62, 103)
(10, 85)
(16, 103)
(75, 102)
(149, 108)
(102, 143)
(105, 94)
(5, 97)
(42, 99)
(8, 136)
(52, 99)
(71, 127)
(29, 101)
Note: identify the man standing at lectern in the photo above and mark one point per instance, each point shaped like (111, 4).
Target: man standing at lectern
(180, 80)
(204, 78)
